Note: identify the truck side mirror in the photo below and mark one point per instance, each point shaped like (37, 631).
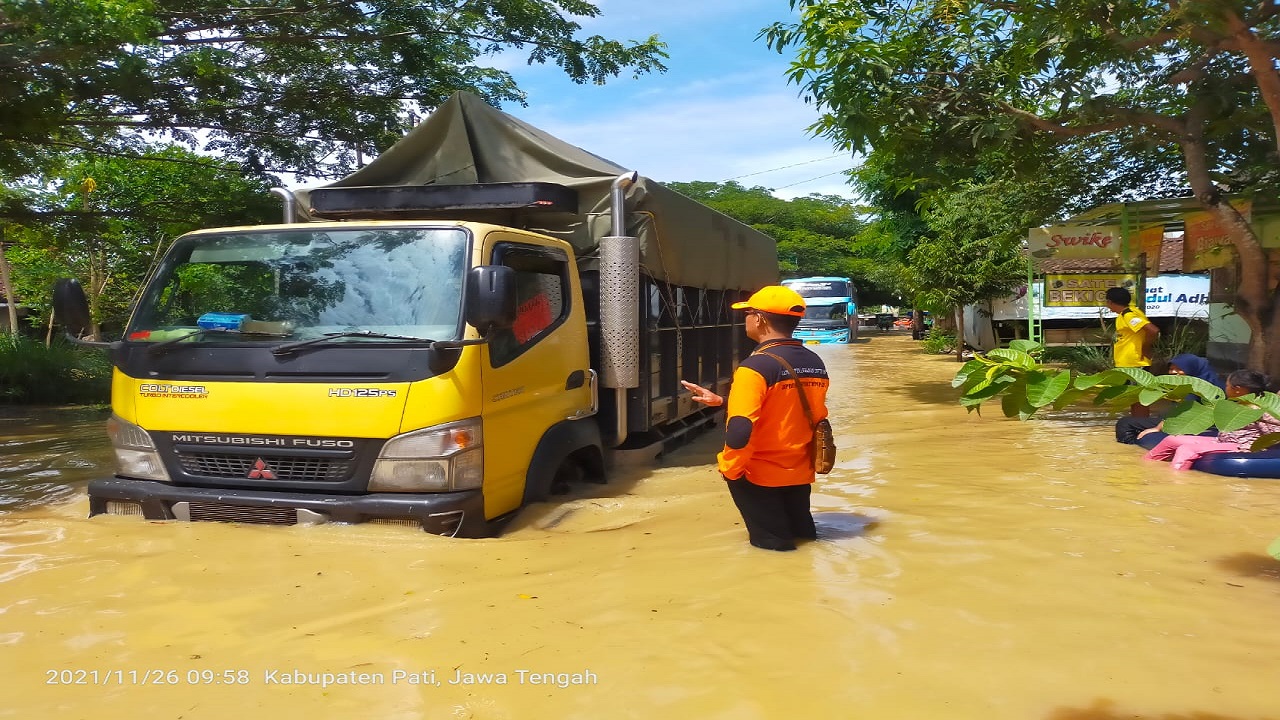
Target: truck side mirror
(72, 307)
(491, 297)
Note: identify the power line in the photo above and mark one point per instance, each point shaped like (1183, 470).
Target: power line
(815, 178)
(784, 167)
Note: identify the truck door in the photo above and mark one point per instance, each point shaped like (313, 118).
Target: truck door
(537, 372)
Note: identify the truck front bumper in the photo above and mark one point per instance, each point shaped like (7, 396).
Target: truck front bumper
(456, 514)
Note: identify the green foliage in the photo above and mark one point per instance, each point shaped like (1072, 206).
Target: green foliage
(31, 373)
(1083, 358)
(1024, 386)
(937, 342)
(1274, 549)
(287, 87)
(109, 232)
(817, 235)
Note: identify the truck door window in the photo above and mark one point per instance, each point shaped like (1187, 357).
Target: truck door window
(542, 283)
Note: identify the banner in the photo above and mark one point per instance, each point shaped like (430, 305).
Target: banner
(1074, 241)
(1206, 244)
(1184, 296)
(1085, 290)
(1150, 241)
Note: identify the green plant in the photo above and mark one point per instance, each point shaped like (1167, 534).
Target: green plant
(34, 374)
(1184, 337)
(1082, 358)
(1024, 387)
(937, 342)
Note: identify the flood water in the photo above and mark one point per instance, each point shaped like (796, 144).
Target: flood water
(969, 568)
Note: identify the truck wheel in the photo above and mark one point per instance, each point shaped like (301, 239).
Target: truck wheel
(556, 484)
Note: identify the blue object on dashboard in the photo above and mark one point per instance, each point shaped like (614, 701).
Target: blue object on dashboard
(221, 321)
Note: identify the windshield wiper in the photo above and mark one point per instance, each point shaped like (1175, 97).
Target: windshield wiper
(174, 341)
(329, 337)
(201, 332)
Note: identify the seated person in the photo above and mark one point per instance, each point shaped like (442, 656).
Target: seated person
(1182, 450)
(1129, 428)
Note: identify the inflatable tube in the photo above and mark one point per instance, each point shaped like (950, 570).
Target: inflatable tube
(1261, 464)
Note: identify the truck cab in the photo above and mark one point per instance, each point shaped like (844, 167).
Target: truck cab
(831, 312)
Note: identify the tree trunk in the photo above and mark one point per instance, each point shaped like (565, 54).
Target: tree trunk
(959, 333)
(10, 298)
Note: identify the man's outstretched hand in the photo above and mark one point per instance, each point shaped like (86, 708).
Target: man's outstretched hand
(703, 395)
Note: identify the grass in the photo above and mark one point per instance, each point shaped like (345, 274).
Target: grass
(33, 374)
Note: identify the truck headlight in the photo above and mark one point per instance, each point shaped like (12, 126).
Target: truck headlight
(444, 457)
(136, 455)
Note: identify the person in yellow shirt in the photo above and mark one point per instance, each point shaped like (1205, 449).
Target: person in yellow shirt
(1135, 338)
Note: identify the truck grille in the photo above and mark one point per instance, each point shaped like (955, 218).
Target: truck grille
(218, 512)
(237, 466)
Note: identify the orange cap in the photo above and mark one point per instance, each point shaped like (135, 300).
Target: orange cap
(776, 299)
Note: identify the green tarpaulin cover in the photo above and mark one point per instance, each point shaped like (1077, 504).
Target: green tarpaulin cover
(682, 242)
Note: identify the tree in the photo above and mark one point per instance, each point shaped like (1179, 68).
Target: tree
(973, 247)
(1192, 84)
(298, 87)
(106, 221)
(816, 235)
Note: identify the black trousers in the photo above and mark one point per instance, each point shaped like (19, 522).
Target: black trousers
(1127, 428)
(775, 516)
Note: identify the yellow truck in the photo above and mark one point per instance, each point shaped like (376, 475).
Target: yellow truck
(477, 318)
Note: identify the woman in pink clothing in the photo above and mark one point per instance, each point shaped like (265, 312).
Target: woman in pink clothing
(1184, 449)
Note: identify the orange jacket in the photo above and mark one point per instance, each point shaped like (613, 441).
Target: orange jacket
(767, 436)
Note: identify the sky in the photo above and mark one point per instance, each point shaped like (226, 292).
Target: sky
(723, 110)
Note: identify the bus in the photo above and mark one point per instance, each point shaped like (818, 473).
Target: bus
(831, 313)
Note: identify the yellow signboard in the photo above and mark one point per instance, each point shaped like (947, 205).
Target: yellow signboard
(1151, 241)
(1085, 290)
(1074, 241)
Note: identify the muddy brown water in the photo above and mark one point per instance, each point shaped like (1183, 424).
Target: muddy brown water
(969, 567)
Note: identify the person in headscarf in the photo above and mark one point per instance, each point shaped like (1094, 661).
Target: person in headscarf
(1129, 429)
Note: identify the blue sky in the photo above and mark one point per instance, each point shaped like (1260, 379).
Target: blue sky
(723, 109)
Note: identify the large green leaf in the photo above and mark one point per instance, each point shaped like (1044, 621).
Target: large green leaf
(1274, 548)
(1029, 347)
(966, 371)
(1228, 415)
(1109, 394)
(1043, 389)
(1014, 404)
(1015, 357)
(1264, 442)
(1138, 375)
(1185, 383)
(1070, 397)
(1106, 378)
(1147, 396)
(1269, 402)
(977, 397)
(1190, 418)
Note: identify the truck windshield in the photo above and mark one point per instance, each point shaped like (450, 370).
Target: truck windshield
(820, 288)
(304, 283)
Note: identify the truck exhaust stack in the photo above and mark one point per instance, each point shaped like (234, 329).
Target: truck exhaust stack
(620, 304)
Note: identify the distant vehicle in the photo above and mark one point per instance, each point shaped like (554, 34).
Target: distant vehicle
(831, 315)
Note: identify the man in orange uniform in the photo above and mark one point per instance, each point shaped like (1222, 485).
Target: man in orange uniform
(766, 458)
